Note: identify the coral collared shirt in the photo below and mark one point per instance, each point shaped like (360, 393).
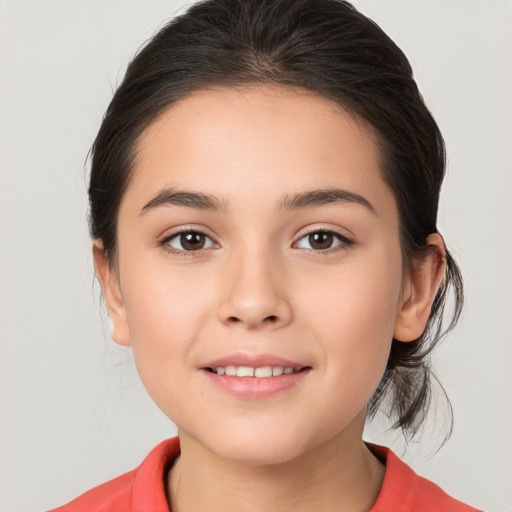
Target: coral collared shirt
(143, 489)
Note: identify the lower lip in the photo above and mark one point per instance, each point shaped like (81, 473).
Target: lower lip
(254, 387)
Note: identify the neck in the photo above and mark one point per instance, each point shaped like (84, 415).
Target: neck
(337, 475)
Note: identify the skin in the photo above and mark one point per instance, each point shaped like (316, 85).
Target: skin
(260, 286)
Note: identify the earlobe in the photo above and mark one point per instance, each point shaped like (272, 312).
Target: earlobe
(419, 291)
(112, 292)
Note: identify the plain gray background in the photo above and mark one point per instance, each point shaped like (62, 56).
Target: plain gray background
(73, 413)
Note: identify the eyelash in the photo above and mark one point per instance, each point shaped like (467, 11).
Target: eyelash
(186, 254)
(344, 242)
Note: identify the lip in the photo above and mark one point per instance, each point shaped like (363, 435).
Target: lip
(254, 360)
(253, 387)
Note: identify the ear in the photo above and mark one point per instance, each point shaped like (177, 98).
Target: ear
(109, 281)
(419, 291)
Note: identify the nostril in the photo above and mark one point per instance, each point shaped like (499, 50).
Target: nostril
(271, 319)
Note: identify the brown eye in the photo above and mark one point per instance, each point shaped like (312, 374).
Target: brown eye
(320, 240)
(188, 241)
(323, 241)
(192, 241)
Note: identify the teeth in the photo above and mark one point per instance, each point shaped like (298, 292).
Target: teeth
(249, 371)
(230, 370)
(245, 371)
(263, 371)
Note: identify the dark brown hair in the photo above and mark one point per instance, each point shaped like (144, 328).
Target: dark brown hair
(322, 46)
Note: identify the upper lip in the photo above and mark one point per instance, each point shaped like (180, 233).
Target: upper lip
(254, 361)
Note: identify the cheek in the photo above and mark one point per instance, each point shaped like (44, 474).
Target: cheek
(164, 304)
(166, 314)
(353, 316)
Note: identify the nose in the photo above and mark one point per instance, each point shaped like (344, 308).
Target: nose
(255, 293)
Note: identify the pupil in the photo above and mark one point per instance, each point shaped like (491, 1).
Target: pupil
(320, 240)
(192, 241)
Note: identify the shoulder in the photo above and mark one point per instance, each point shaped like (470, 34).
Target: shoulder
(403, 490)
(136, 491)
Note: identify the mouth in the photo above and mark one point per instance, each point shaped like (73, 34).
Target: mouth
(255, 376)
(259, 372)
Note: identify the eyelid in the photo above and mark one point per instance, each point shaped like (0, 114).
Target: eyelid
(345, 241)
(164, 242)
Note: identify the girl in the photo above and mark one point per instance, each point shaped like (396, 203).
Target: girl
(264, 193)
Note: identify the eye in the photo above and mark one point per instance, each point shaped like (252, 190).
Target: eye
(323, 240)
(188, 241)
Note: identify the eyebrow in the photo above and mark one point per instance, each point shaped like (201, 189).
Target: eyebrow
(308, 199)
(197, 200)
(322, 197)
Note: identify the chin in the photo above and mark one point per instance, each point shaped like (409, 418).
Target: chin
(259, 447)
(263, 452)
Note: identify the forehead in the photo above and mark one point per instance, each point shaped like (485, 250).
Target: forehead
(231, 142)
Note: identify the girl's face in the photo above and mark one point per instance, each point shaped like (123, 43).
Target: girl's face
(257, 232)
